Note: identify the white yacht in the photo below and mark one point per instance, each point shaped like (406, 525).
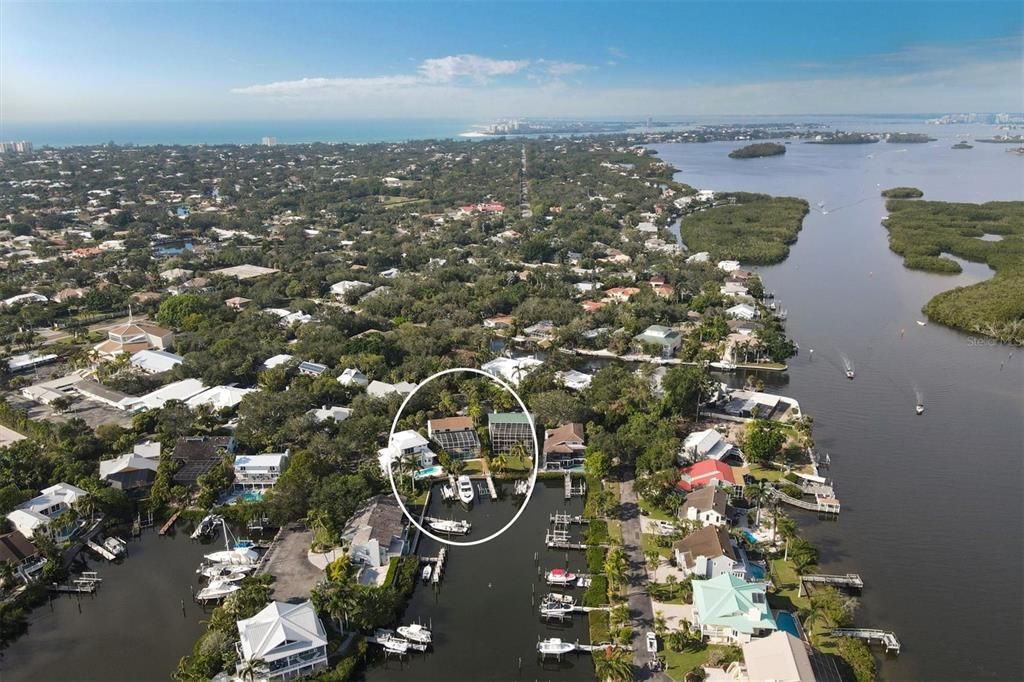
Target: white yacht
(554, 646)
(233, 556)
(395, 645)
(428, 571)
(115, 546)
(465, 489)
(415, 633)
(560, 576)
(223, 570)
(217, 589)
(449, 526)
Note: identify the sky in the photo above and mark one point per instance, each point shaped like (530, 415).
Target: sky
(185, 61)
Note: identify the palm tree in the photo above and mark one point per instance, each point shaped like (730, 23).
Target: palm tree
(803, 554)
(339, 599)
(518, 451)
(613, 665)
(616, 566)
(758, 494)
(660, 624)
(252, 669)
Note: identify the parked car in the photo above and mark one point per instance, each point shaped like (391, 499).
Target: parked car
(665, 527)
(652, 642)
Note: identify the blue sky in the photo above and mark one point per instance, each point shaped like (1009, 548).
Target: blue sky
(190, 61)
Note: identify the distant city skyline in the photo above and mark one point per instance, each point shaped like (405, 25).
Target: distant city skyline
(223, 61)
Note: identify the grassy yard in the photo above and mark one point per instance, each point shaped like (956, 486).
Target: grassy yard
(474, 466)
(787, 587)
(615, 531)
(678, 663)
(650, 510)
(650, 543)
(767, 473)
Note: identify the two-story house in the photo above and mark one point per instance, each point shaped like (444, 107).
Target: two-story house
(259, 472)
(287, 640)
(707, 553)
(729, 610)
(47, 513)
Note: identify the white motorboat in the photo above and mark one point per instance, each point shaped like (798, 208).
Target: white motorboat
(465, 487)
(387, 639)
(723, 365)
(920, 408)
(557, 605)
(233, 556)
(428, 571)
(554, 647)
(415, 633)
(850, 374)
(564, 599)
(560, 576)
(450, 526)
(206, 526)
(217, 589)
(921, 323)
(115, 546)
(222, 570)
(522, 487)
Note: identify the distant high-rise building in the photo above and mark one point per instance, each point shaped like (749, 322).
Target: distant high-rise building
(19, 147)
(268, 141)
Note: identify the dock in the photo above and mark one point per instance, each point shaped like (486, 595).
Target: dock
(87, 584)
(572, 489)
(870, 635)
(438, 571)
(170, 523)
(568, 485)
(850, 581)
(821, 504)
(490, 486)
(100, 550)
(559, 539)
(564, 519)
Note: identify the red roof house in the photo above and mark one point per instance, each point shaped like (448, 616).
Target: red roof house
(706, 472)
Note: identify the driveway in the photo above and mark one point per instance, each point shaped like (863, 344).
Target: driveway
(639, 601)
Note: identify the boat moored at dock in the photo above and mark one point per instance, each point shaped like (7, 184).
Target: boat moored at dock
(415, 633)
(449, 526)
(560, 576)
(554, 647)
(465, 489)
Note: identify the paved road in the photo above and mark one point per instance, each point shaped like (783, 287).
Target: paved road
(639, 601)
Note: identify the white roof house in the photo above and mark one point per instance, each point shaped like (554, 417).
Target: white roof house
(407, 443)
(260, 471)
(340, 289)
(179, 390)
(511, 370)
(338, 414)
(155, 361)
(779, 657)
(742, 311)
(699, 257)
(219, 397)
(25, 298)
(574, 380)
(728, 265)
(380, 389)
(353, 377)
(707, 444)
(280, 359)
(288, 639)
(39, 513)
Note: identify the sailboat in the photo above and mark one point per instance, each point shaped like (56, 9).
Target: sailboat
(465, 489)
(233, 553)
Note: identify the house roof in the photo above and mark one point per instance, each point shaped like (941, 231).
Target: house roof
(779, 657)
(379, 518)
(450, 424)
(15, 547)
(710, 542)
(558, 440)
(706, 499)
(708, 443)
(126, 462)
(178, 390)
(155, 361)
(507, 418)
(219, 397)
(270, 459)
(728, 601)
(704, 473)
(404, 440)
(280, 630)
(198, 448)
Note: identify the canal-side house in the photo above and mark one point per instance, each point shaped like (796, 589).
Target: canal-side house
(708, 553)
(564, 447)
(259, 472)
(47, 513)
(707, 444)
(707, 506)
(374, 535)
(195, 455)
(288, 641)
(666, 341)
(729, 610)
(456, 435)
(21, 554)
(779, 657)
(709, 472)
(407, 445)
(129, 471)
(508, 428)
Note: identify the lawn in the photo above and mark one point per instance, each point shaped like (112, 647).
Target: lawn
(787, 586)
(615, 531)
(654, 512)
(767, 473)
(650, 543)
(678, 663)
(474, 466)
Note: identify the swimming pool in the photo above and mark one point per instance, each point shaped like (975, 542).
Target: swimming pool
(428, 472)
(750, 537)
(251, 495)
(757, 571)
(787, 623)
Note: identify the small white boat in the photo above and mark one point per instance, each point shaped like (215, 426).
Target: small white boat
(921, 323)
(560, 576)
(920, 408)
(206, 526)
(222, 570)
(428, 571)
(115, 546)
(522, 487)
(450, 527)
(217, 589)
(387, 639)
(554, 647)
(722, 365)
(415, 633)
(465, 489)
(233, 556)
(849, 374)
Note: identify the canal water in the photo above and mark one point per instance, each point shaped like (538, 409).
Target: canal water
(133, 628)
(932, 511)
(484, 614)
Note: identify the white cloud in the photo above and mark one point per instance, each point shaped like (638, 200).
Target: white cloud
(312, 86)
(557, 69)
(474, 67)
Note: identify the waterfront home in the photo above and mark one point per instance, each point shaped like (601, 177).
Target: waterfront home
(707, 506)
(155, 361)
(511, 370)
(381, 389)
(351, 376)
(195, 455)
(21, 554)
(507, 429)
(133, 337)
(742, 311)
(259, 472)
(287, 641)
(729, 610)
(573, 380)
(563, 447)
(374, 535)
(707, 444)
(666, 340)
(46, 514)
(733, 289)
(456, 435)
(498, 322)
(312, 369)
(741, 404)
(129, 471)
(707, 553)
(779, 657)
(406, 445)
(540, 331)
(709, 472)
(322, 414)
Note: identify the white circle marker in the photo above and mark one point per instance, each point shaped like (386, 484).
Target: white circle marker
(533, 476)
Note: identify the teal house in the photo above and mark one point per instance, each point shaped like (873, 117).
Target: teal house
(729, 610)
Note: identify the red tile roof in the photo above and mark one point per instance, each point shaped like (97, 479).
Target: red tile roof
(704, 473)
